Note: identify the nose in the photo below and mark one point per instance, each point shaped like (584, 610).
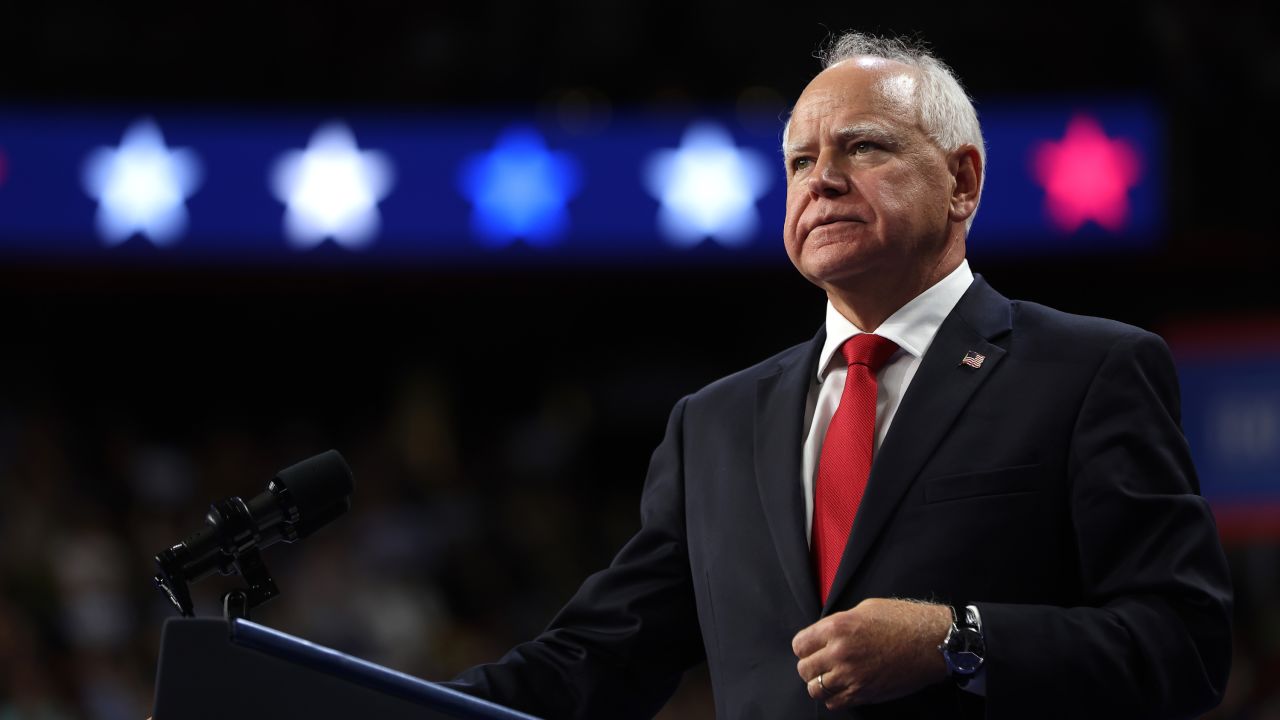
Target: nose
(827, 179)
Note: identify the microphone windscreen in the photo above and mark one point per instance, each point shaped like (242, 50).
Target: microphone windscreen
(321, 487)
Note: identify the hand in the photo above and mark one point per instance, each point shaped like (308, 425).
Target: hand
(880, 650)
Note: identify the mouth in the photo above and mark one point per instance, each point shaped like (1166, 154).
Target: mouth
(835, 221)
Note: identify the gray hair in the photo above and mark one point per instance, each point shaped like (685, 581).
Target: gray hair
(946, 111)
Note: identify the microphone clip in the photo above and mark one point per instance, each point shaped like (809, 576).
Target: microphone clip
(237, 553)
(238, 602)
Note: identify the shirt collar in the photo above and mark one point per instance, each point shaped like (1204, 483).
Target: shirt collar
(912, 326)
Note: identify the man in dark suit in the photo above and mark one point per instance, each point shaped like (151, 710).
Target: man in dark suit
(946, 504)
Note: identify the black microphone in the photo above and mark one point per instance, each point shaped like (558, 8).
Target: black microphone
(301, 499)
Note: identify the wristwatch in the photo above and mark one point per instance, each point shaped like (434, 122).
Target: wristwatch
(964, 649)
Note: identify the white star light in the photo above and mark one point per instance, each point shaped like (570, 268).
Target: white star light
(331, 190)
(141, 186)
(708, 187)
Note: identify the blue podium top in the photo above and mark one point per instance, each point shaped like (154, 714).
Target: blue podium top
(362, 672)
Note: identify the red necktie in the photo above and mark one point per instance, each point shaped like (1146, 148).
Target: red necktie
(845, 461)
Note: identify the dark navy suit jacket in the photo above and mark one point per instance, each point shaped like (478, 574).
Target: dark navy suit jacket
(1052, 487)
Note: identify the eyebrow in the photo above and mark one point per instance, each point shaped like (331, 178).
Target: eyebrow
(873, 131)
(876, 131)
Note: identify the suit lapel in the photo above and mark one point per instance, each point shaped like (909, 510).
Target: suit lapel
(779, 428)
(939, 391)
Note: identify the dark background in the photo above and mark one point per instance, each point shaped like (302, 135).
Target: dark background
(499, 422)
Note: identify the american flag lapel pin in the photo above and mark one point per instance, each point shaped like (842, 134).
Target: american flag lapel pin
(973, 359)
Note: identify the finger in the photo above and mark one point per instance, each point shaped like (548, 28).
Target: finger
(845, 699)
(820, 661)
(820, 687)
(815, 689)
(837, 694)
(810, 640)
(828, 688)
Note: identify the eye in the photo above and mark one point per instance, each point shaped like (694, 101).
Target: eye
(800, 163)
(862, 147)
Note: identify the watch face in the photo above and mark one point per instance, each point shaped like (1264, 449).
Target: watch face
(964, 650)
(963, 638)
(966, 663)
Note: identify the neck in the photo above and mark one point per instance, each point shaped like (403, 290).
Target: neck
(868, 302)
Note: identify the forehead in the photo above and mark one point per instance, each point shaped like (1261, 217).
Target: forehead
(867, 88)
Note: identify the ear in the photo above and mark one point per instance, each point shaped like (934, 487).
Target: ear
(965, 165)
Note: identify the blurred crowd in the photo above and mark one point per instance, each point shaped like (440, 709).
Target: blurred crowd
(447, 558)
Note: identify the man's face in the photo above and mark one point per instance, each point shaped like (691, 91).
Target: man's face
(867, 190)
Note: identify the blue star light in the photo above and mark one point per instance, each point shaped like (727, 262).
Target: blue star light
(707, 187)
(331, 190)
(519, 190)
(141, 186)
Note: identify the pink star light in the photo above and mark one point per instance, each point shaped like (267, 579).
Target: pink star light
(1086, 176)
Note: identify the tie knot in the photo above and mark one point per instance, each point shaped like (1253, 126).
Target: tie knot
(868, 349)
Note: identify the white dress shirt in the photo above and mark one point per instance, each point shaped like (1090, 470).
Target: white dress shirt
(912, 327)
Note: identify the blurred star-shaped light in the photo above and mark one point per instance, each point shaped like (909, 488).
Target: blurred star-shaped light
(708, 188)
(519, 190)
(1086, 176)
(141, 186)
(331, 190)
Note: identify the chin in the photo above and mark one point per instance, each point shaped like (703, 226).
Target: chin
(835, 263)
(829, 278)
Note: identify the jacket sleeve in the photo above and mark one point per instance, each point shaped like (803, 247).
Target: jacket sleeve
(620, 645)
(1152, 637)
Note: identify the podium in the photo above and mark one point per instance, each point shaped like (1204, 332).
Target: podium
(212, 669)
